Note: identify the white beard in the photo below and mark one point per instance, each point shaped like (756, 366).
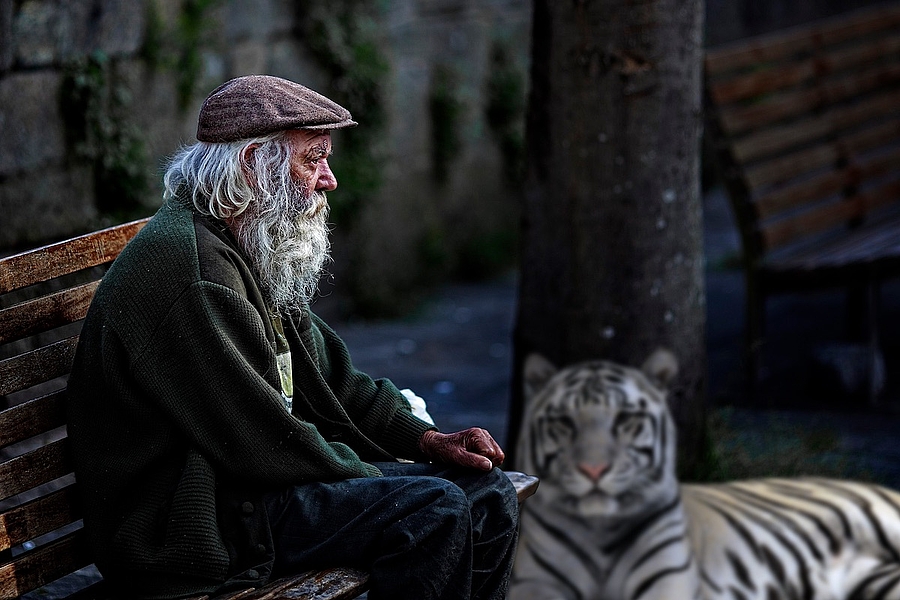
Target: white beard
(285, 236)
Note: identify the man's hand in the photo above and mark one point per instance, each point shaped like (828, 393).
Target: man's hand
(472, 447)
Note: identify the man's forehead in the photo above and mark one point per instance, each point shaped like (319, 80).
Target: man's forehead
(310, 137)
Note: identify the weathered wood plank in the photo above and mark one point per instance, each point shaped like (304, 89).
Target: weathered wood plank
(526, 485)
(771, 141)
(786, 74)
(43, 515)
(32, 418)
(46, 363)
(825, 185)
(740, 118)
(330, 584)
(34, 266)
(776, 46)
(43, 565)
(815, 221)
(47, 312)
(34, 468)
(799, 163)
(868, 244)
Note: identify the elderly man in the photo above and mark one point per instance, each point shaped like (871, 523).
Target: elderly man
(221, 435)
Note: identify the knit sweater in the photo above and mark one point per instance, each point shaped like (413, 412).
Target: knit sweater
(176, 419)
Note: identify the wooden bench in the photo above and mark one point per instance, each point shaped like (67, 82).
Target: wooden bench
(46, 292)
(805, 124)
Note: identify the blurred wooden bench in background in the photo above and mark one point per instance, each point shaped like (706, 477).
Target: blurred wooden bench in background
(805, 124)
(44, 295)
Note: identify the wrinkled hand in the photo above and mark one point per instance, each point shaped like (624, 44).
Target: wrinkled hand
(473, 447)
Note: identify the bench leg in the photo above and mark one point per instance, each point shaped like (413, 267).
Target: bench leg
(873, 296)
(754, 332)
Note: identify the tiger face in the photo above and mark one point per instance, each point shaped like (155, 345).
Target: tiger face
(599, 435)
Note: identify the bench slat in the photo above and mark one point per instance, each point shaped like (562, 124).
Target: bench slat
(29, 369)
(43, 565)
(787, 167)
(40, 516)
(737, 119)
(773, 140)
(824, 185)
(778, 45)
(45, 313)
(866, 251)
(870, 243)
(90, 250)
(526, 485)
(32, 418)
(760, 83)
(34, 468)
(330, 584)
(816, 67)
(784, 231)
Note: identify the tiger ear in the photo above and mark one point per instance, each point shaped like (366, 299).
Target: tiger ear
(538, 371)
(661, 365)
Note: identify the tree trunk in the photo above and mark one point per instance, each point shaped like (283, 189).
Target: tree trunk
(612, 224)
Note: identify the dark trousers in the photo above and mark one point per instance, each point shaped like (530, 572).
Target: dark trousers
(423, 531)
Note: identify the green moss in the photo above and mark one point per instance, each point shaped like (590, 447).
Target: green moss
(152, 50)
(505, 109)
(95, 103)
(193, 25)
(446, 110)
(179, 49)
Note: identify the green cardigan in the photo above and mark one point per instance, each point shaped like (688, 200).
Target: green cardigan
(176, 418)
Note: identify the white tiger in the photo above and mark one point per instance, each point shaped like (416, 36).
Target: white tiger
(611, 521)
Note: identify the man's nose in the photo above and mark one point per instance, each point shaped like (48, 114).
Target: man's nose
(327, 182)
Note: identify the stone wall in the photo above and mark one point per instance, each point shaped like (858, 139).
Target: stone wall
(141, 56)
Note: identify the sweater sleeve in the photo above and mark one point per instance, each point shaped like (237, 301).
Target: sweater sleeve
(206, 366)
(376, 406)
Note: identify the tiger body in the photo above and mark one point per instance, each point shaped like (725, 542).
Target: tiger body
(611, 521)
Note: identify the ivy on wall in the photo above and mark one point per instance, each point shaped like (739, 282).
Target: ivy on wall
(446, 110)
(191, 31)
(505, 109)
(179, 50)
(95, 103)
(343, 36)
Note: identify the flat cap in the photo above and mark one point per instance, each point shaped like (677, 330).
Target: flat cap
(257, 105)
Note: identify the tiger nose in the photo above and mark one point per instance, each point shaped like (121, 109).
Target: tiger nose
(594, 472)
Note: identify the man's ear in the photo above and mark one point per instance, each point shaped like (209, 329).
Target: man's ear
(248, 163)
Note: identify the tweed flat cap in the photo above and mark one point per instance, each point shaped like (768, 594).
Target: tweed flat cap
(256, 105)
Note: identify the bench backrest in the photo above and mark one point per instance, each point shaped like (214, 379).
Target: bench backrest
(44, 294)
(806, 124)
